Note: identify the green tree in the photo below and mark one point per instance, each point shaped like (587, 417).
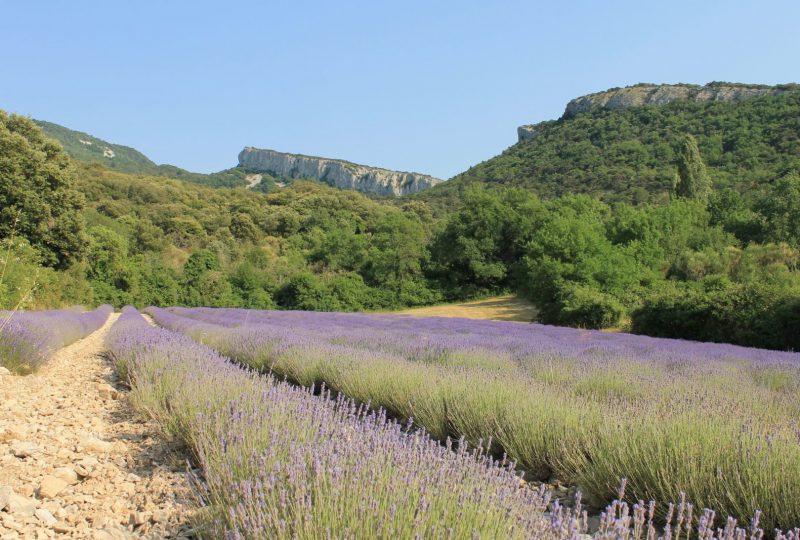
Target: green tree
(38, 199)
(243, 228)
(479, 245)
(780, 208)
(692, 181)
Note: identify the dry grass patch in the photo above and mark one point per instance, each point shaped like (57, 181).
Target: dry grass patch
(499, 308)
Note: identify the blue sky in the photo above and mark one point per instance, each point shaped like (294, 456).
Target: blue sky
(426, 86)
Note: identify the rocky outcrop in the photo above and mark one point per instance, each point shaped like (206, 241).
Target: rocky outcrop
(642, 95)
(337, 173)
(526, 133)
(531, 131)
(661, 94)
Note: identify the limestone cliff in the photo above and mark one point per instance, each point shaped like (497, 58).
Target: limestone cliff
(661, 94)
(337, 173)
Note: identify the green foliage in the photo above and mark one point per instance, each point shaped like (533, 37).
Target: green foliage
(587, 259)
(781, 210)
(84, 147)
(479, 244)
(588, 308)
(630, 154)
(753, 314)
(692, 181)
(38, 200)
(588, 264)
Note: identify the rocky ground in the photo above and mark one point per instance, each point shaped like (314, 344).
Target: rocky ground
(77, 462)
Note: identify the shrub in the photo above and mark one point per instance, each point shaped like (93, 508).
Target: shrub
(589, 308)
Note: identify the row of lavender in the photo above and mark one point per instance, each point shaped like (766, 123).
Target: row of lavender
(279, 462)
(716, 422)
(29, 338)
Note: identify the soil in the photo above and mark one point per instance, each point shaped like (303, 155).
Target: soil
(76, 461)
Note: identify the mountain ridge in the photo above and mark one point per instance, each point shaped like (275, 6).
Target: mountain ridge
(336, 172)
(647, 94)
(748, 135)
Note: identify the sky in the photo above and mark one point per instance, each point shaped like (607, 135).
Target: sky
(426, 86)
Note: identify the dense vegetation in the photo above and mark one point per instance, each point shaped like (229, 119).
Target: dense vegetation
(629, 155)
(673, 269)
(150, 240)
(680, 220)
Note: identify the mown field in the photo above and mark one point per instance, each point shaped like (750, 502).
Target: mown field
(315, 425)
(497, 308)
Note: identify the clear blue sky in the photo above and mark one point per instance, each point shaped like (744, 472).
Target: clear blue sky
(426, 86)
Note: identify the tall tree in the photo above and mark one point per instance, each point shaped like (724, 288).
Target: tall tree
(692, 181)
(38, 199)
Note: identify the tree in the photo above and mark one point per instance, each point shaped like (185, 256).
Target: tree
(243, 227)
(781, 210)
(692, 181)
(479, 244)
(38, 199)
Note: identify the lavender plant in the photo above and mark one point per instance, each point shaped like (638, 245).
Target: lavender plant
(29, 338)
(280, 462)
(714, 422)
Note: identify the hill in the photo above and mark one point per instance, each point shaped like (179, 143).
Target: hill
(621, 145)
(335, 172)
(84, 147)
(261, 170)
(683, 262)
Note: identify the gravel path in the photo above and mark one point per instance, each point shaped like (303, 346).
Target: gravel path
(77, 462)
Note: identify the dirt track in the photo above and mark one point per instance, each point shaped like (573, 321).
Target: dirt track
(75, 461)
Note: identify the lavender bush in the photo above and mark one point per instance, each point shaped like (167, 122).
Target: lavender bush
(715, 422)
(278, 462)
(29, 338)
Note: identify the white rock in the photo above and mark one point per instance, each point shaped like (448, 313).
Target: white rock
(46, 517)
(51, 486)
(86, 466)
(17, 504)
(93, 444)
(23, 449)
(337, 173)
(5, 495)
(62, 528)
(112, 533)
(67, 474)
(4, 371)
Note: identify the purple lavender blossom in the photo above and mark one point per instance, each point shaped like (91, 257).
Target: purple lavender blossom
(29, 338)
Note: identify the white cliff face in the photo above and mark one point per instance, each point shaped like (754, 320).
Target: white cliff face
(337, 173)
(659, 94)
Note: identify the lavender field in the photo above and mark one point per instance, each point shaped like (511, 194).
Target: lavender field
(715, 424)
(29, 338)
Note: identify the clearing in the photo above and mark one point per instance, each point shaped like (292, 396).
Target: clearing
(499, 308)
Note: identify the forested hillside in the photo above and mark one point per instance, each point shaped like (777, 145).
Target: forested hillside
(137, 239)
(630, 154)
(84, 147)
(679, 220)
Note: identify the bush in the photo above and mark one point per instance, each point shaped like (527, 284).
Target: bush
(588, 308)
(754, 314)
